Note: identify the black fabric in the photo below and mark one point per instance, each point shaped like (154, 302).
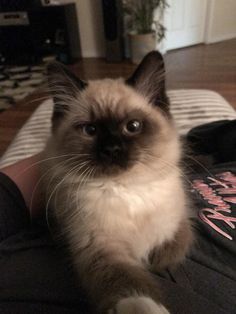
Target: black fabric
(36, 276)
(14, 214)
(210, 269)
(217, 140)
(36, 273)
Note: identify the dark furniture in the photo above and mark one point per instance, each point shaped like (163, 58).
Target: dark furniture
(30, 31)
(113, 29)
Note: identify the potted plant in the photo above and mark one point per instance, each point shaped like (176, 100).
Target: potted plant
(144, 31)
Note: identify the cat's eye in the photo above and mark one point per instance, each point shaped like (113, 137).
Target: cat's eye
(89, 129)
(133, 127)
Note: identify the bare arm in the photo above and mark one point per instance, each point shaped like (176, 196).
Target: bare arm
(25, 174)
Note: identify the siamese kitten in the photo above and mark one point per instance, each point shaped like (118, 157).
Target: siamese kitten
(114, 185)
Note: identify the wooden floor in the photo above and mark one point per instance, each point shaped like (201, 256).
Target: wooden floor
(203, 66)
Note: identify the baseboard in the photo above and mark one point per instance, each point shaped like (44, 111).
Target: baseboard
(220, 38)
(92, 54)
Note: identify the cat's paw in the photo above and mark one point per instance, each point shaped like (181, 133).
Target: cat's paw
(138, 305)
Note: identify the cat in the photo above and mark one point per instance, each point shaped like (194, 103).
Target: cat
(114, 186)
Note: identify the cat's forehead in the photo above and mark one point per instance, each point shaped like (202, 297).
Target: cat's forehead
(106, 98)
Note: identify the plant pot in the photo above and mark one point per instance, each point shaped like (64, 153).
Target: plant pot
(141, 44)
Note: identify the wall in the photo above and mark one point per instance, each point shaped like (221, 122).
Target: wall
(221, 24)
(91, 28)
(221, 20)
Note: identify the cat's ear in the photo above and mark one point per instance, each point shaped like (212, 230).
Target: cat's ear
(149, 80)
(64, 86)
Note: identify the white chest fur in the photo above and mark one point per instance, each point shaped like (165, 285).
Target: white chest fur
(135, 217)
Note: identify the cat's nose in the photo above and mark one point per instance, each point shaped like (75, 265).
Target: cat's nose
(111, 151)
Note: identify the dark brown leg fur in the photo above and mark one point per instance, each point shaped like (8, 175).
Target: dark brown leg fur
(108, 280)
(173, 252)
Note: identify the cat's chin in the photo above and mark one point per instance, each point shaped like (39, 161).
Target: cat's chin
(111, 170)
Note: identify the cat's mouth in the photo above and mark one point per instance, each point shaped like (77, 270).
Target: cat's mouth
(111, 159)
(112, 166)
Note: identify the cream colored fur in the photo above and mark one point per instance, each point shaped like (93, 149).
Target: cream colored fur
(135, 210)
(138, 305)
(128, 214)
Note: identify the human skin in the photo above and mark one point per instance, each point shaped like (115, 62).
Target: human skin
(25, 174)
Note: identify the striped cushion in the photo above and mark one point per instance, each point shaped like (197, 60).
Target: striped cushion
(190, 108)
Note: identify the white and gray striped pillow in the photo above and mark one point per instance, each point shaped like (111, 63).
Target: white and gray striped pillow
(190, 108)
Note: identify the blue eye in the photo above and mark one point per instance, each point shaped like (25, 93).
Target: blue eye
(89, 129)
(133, 127)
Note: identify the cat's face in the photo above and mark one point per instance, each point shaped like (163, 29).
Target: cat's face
(110, 126)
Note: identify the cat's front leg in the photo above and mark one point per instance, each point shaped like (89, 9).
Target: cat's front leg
(172, 252)
(117, 284)
(138, 305)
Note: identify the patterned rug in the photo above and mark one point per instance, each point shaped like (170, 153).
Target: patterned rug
(16, 82)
